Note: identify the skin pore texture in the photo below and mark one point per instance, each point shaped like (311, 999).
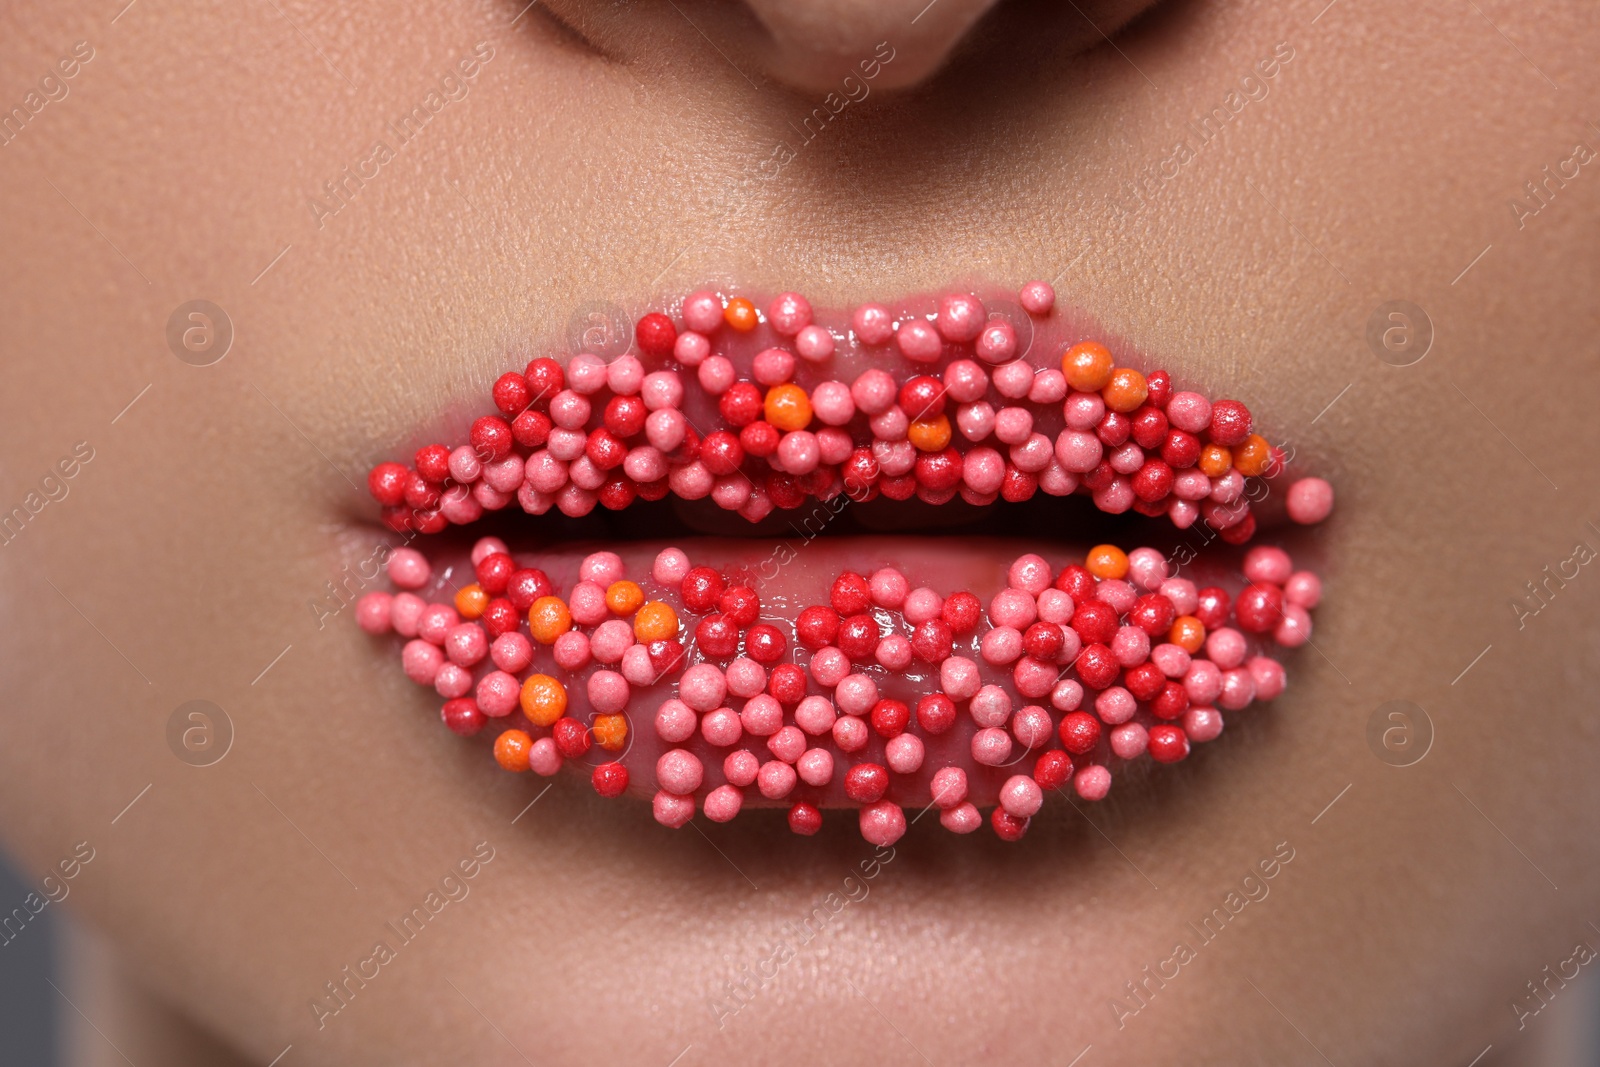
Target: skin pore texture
(1380, 158)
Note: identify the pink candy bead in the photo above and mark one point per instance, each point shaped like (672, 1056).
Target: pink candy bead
(608, 692)
(511, 652)
(1310, 501)
(883, 823)
(997, 342)
(740, 768)
(918, 341)
(374, 612)
(814, 344)
(1037, 298)
(721, 728)
(1021, 796)
(789, 314)
(964, 818)
(702, 311)
(761, 716)
(498, 693)
(722, 804)
(904, 753)
(1093, 782)
(1129, 741)
(1189, 412)
(421, 661)
(702, 687)
(571, 651)
(1202, 724)
(675, 721)
(405, 613)
(787, 744)
(671, 810)
(961, 317)
(991, 747)
(772, 366)
(832, 403)
(544, 759)
(815, 766)
(691, 348)
(1115, 705)
(409, 569)
(776, 779)
(873, 324)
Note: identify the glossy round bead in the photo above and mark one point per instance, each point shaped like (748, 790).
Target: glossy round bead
(1087, 366)
(511, 750)
(1168, 744)
(1021, 797)
(918, 341)
(1259, 608)
(1230, 423)
(1037, 298)
(883, 823)
(1310, 501)
(1125, 390)
(741, 315)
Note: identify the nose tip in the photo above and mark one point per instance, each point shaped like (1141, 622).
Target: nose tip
(814, 44)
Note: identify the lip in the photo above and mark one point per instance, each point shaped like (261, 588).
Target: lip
(1038, 724)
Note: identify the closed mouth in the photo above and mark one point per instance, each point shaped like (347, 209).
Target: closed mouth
(949, 553)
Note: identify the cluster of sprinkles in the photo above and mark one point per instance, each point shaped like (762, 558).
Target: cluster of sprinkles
(881, 695)
(987, 426)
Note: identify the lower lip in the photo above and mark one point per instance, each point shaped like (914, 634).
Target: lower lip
(1028, 710)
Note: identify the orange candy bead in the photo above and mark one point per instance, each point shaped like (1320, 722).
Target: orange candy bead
(788, 407)
(624, 597)
(548, 619)
(741, 315)
(1126, 390)
(1188, 633)
(929, 435)
(1107, 561)
(610, 732)
(1087, 366)
(656, 621)
(1252, 458)
(472, 601)
(511, 749)
(544, 699)
(1215, 461)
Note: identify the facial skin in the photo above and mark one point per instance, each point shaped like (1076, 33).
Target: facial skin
(1375, 165)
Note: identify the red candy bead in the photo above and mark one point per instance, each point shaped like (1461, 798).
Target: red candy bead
(1007, 827)
(1259, 608)
(1097, 666)
(491, 437)
(1153, 613)
(1168, 744)
(1241, 531)
(1080, 732)
(1076, 581)
(421, 493)
(571, 737)
(605, 449)
(1114, 429)
(625, 415)
(428, 522)
(1095, 621)
(617, 493)
(785, 490)
(922, 397)
(787, 683)
(721, 453)
(717, 636)
(858, 637)
(545, 379)
(939, 470)
(931, 641)
(701, 589)
(961, 613)
(860, 470)
(1052, 769)
(741, 404)
(527, 585)
(936, 713)
(866, 783)
(1211, 607)
(890, 718)
(1181, 449)
(850, 594)
(500, 617)
(1149, 427)
(1153, 481)
(656, 490)
(759, 439)
(462, 716)
(511, 393)
(387, 484)
(666, 656)
(1158, 389)
(1230, 423)
(805, 819)
(1042, 641)
(741, 604)
(655, 335)
(531, 429)
(765, 644)
(1018, 485)
(1144, 681)
(903, 487)
(433, 462)
(610, 780)
(1171, 702)
(816, 627)
(494, 572)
